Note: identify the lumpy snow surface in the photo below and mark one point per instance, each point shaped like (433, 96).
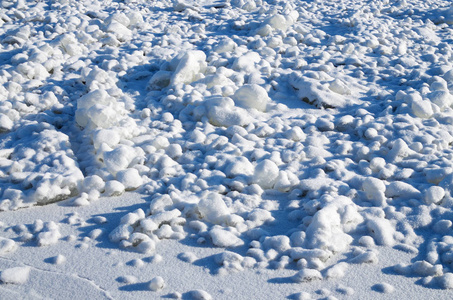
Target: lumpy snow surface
(295, 135)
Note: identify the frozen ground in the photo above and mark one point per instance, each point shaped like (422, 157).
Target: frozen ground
(226, 149)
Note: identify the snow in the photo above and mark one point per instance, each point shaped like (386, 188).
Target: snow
(226, 149)
(17, 275)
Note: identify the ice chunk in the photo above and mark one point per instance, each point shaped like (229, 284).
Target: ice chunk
(277, 22)
(240, 166)
(223, 238)
(329, 225)
(247, 62)
(399, 151)
(228, 258)
(422, 109)
(5, 123)
(191, 64)
(225, 45)
(381, 230)
(122, 232)
(433, 194)
(50, 234)
(375, 190)
(200, 295)
(107, 136)
(213, 209)
(266, 174)
(339, 87)
(114, 188)
(188, 257)
(156, 284)
(446, 280)
(130, 178)
(222, 116)
(93, 182)
(7, 245)
(296, 134)
(307, 275)
(119, 158)
(443, 99)
(17, 275)
(160, 80)
(399, 189)
(58, 260)
(280, 243)
(251, 96)
(337, 271)
(120, 31)
(384, 288)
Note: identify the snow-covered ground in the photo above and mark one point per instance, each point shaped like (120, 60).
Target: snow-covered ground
(226, 149)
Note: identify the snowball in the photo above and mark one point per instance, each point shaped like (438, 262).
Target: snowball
(251, 96)
(433, 194)
(107, 136)
(121, 32)
(337, 271)
(280, 243)
(296, 134)
(17, 275)
(188, 257)
(329, 225)
(443, 99)
(424, 268)
(225, 45)
(384, 288)
(119, 158)
(442, 226)
(122, 232)
(240, 166)
(222, 116)
(399, 150)
(147, 246)
(200, 295)
(366, 241)
(223, 238)
(339, 87)
(93, 182)
(160, 80)
(191, 64)
(7, 245)
(156, 284)
(277, 22)
(50, 235)
(127, 279)
(213, 209)
(399, 189)
(130, 178)
(374, 190)
(246, 62)
(59, 259)
(114, 188)
(422, 109)
(174, 151)
(446, 281)
(5, 123)
(95, 233)
(307, 275)
(368, 257)
(266, 174)
(228, 258)
(381, 230)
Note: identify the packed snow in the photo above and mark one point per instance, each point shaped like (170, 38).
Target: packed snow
(226, 149)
